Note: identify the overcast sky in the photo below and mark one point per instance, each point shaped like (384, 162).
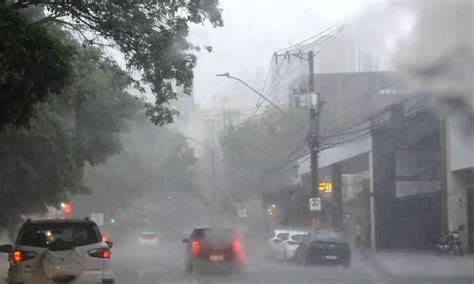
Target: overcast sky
(253, 30)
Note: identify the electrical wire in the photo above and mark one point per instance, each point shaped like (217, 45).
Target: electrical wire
(361, 133)
(320, 34)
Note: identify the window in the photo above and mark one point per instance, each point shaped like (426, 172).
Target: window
(211, 235)
(283, 236)
(44, 234)
(298, 238)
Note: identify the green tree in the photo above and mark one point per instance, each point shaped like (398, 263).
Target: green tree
(33, 65)
(44, 165)
(151, 35)
(155, 162)
(255, 146)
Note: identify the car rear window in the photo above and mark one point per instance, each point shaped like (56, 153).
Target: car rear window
(298, 238)
(328, 237)
(283, 236)
(211, 234)
(43, 234)
(148, 236)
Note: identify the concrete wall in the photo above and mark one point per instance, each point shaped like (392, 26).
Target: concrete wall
(461, 143)
(459, 159)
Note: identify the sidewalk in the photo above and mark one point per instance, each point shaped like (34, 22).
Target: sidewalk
(391, 267)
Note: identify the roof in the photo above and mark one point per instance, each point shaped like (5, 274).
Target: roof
(57, 221)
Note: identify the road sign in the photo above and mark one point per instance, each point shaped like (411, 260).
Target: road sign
(243, 212)
(98, 218)
(315, 204)
(325, 187)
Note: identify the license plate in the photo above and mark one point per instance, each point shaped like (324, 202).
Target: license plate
(331, 257)
(216, 258)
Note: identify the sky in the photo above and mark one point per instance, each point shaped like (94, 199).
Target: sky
(253, 30)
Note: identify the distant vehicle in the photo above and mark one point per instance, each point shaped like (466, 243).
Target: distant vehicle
(283, 244)
(323, 248)
(214, 250)
(286, 249)
(272, 243)
(59, 251)
(148, 239)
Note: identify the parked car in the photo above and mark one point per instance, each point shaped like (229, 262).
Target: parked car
(148, 239)
(323, 248)
(214, 250)
(286, 249)
(283, 244)
(271, 244)
(59, 251)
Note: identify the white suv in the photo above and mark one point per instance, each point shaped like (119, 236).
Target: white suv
(61, 250)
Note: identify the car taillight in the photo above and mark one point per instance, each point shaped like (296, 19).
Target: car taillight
(100, 253)
(19, 256)
(195, 246)
(237, 248)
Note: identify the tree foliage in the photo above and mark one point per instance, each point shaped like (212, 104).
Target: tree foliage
(255, 146)
(44, 165)
(155, 162)
(151, 35)
(33, 65)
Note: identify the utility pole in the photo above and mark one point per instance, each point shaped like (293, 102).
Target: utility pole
(313, 141)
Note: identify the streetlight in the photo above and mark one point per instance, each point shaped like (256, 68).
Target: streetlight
(227, 75)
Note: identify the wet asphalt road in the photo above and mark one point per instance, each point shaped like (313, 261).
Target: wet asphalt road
(166, 265)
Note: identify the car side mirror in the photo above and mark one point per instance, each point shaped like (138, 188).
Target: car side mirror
(185, 240)
(109, 244)
(6, 249)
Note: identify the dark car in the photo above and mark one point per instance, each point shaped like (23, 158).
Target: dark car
(324, 248)
(214, 250)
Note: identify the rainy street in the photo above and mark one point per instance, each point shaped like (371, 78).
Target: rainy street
(237, 141)
(167, 266)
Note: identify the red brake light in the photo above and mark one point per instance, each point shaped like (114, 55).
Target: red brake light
(100, 253)
(195, 246)
(237, 248)
(19, 256)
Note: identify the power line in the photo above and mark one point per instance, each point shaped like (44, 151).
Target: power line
(273, 87)
(361, 133)
(320, 34)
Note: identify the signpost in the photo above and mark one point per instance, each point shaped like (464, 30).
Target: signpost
(325, 187)
(315, 204)
(243, 212)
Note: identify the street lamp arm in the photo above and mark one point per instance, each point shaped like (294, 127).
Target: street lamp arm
(251, 88)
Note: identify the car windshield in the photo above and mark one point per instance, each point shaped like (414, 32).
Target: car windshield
(43, 235)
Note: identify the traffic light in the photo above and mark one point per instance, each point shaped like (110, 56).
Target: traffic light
(113, 221)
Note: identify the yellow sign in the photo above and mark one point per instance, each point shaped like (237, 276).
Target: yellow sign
(325, 187)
